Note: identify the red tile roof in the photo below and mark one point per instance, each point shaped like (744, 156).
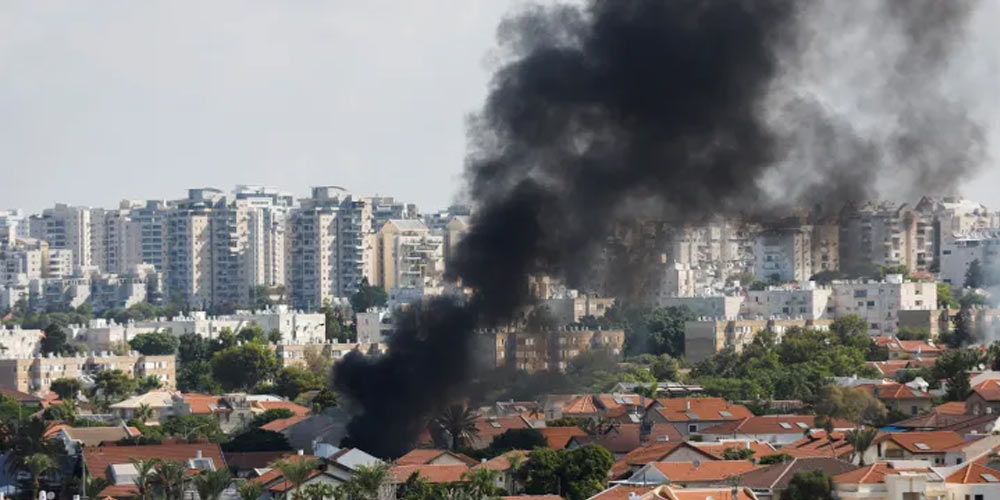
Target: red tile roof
(203, 404)
(973, 473)
(269, 477)
(297, 409)
(580, 406)
(671, 493)
(620, 492)
(99, 458)
(988, 390)
(680, 472)
(893, 390)
(491, 427)
(619, 440)
(652, 452)
(284, 485)
(119, 491)
(660, 432)
(425, 456)
(503, 462)
(558, 437)
(283, 424)
(771, 424)
(430, 473)
(815, 444)
(951, 408)
(890, 367)
(718, 450)
(924, 442)
(696, 409)
(873, 474)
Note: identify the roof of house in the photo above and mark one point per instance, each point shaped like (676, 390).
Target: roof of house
(962, 424)
(893, 390)
(695, 409)
(491, 427)
(921, 442)
(652, 452)
(426, 456)
(771, 424)
(816, 444)
(503, 462)
(777, 476)
(664, 432)
(430, 473)
(620, 492)
(623, 438)
(99, 458)
(559, 437)
(283, 424)
(671, 493)
(94, 436)
(875, 473)
(272, 476)
(532, 497)
(974, 473)
(917, 346)
(284, 485)
(297, 409)
(718, 449)
(20, 397)
(890, 367)
(153, 399)
(616, 401)
(205, 404)
(951, 408)
(679, 472)
(988, 389)
(580, 405)
(118, 491)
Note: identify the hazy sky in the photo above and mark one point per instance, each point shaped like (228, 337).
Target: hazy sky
(105, 100)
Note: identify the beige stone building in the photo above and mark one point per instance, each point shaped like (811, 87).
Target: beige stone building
(533, 352)
(705, 337)
(407, 255)
(295, 354)
(37, 373)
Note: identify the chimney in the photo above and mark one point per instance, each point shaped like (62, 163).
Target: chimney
(687, 405)
(198, 454)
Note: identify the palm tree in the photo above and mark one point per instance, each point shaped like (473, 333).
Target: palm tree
(38, 464)
(861, 440)
(296, 470)
(170, 477)
(459, 422)
(481, 482)
(211, 483)
(143, 413)
(318, 491)
(26, 438)
(825, 422)
(367, 483)
(144, 477)
(250, 490)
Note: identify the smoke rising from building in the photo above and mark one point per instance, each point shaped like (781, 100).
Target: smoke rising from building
(679, 110)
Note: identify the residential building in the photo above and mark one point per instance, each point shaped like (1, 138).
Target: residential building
(114, 463)
(574, 307)
(985, 398)
(374, 326)
(713, 251)
(331, 247)
(35, 374)
(386, 208)
(407, 255)
(16, 342)
(678, 280)
(878, 302)
(705, 337)
(694, 415)
(291, 326)
(805, 300)
(65, 227)
(900, 397)
(690, 474)
(716, 306)
(75, 438)
(296, 354)
(959, 252)
(13, 225)
(882, 233)
(540, 351)
(769, 482)
(936, 448)
(267, 212)
(784, 254)
(778, 430)
(456, 227)
(825, 240)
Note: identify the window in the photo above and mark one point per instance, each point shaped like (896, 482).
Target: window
(979, 497)
(913, 410)
(692, 427)
(871, 303)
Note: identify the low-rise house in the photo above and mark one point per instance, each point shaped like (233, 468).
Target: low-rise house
(894, 480)
(74, 438)
(900, 397)
(434, 474)
(160, 403)
(488, 428)
(816, 444)
(775, 429)
(951, 408)
(232, 411)
(909, 349)
(113, 463)
(935, 447)
(622, 492)
(303, 432)
(435, 457)
(672, 492)
(890, 368)
(769, 482)
(985, 398)
(559, 438)
(960, 423)
(694, 415)
(277, 486)
(619, 440)
(506, 467)
(691, 474)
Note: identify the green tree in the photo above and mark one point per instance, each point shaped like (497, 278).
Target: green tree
(193, 427)
(962, 334)
(318, 491)
(952, 367)
(911, 333)
(193, 347)
(480, 483)
(55, 340)
(296, 470)
(851, 404)
(211, 483)
(25, 438)
(577, 474)
(460, 424)
(144, 480)
(169, 478)
(154, 343)
(368, 296)
(270, 416)
(196, 376)
(147, 383)
(945, 298)
(257, 440)
(974, 275)
(735, 453)
(809, 485)
(66, 388)
(367, 483)
(292, 381)
(250, 490)
(660, 331)
(37, 465)
(143, 413)
(517, 439)
(776, 458)
(112, 385)
(244, 366)
(252, 333)
(861, 440)
(325, 399)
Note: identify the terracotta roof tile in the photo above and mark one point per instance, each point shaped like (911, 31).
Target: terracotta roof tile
(951, 408)
(98, 458)
(559, 437)
(247, 460)
(873, 474)
(652, 452)
(204, 404)
(430, 473)
(426, 456)
(921, 442)
(691, 409)
(503, 462)
(269, 477)
(778, 475)
(284, 485)
(670, 493)
(718, 450)
(771, 424)
(491, 427)
(620, 492)
(988, 390)
(974, 473)
(889, 368)
(619, 440)
(893, 390)
(283, 424)
(661, 432)
(815, 444)
(679, 472)
(580, 406)
(297, 409)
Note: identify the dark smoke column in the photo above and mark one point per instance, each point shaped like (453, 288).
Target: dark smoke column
(599, 110)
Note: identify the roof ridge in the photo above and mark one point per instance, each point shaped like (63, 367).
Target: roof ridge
(790, 464)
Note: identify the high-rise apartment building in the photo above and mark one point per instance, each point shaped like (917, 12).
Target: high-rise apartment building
(784, 254)
(407, 255)
(386, 208)
(331, 246)
(65, 227)
(266, 210)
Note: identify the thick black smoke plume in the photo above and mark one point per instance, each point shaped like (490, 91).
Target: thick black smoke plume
(613, 111)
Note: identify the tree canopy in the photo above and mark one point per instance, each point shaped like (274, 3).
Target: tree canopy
(155, 343)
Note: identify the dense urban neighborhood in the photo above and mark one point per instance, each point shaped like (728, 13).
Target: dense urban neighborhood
(190, 348)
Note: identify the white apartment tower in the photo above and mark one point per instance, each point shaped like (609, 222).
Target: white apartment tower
(266, 214)
(408, 255)
(785, 254)
(331, 247)
(65, 227)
